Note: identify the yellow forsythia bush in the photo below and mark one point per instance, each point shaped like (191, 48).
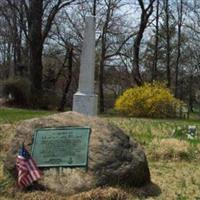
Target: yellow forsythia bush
(149, 100)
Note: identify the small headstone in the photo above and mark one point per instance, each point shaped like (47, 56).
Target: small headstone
(185, 112)
(10, 96)
(192, 132)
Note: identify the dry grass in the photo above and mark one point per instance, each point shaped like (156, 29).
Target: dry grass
(169, 149)
(177, 180)
(108, 193)
(174, 163)
(6, 134)
(176, 176)
(39, 195)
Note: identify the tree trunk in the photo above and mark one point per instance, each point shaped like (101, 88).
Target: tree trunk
(36, 44)
(191, 99)
(103, 57)
(101, 81)
(68, 82)
(180, 16)
(155, 61)
(17, 39)
(136, 51)
(168, 44)
(146, 13)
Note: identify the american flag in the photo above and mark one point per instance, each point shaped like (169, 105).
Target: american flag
(27, 169)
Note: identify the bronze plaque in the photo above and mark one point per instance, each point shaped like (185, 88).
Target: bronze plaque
(61, 147)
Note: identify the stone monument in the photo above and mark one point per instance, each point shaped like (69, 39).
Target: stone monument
(85, 100)
(113, 157)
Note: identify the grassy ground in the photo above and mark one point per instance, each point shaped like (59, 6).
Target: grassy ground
(173, 159)
(10, 115)
(8, 119)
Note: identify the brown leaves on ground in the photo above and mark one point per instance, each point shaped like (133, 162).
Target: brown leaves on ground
(107, 193)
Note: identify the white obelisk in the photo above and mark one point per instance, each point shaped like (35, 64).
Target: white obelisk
(85, 100)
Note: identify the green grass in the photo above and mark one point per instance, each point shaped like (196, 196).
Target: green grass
(10, 115)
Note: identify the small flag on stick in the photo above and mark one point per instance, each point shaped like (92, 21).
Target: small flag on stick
(27, 169)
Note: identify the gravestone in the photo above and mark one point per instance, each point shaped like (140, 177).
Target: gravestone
(85, 100)
(185, 112)
(192, 132)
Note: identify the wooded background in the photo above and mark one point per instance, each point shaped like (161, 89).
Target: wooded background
(137, 41)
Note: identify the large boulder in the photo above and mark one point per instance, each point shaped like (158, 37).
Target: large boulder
(114, 158)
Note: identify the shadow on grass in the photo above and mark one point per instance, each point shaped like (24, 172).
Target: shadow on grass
(149, 190)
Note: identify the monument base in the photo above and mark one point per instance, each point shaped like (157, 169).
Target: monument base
(85, 103)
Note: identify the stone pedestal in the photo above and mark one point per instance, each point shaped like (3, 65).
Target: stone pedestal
(85, 100)
(85, 103)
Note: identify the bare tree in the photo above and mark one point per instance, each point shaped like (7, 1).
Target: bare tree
(144, 19)
(37, 33)
(103, 54)
(12, 21)
(155, 61)
(168, 48)
(68, 80)
(180, 22)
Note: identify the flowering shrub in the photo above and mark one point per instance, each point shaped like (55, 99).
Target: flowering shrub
(149, 100)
